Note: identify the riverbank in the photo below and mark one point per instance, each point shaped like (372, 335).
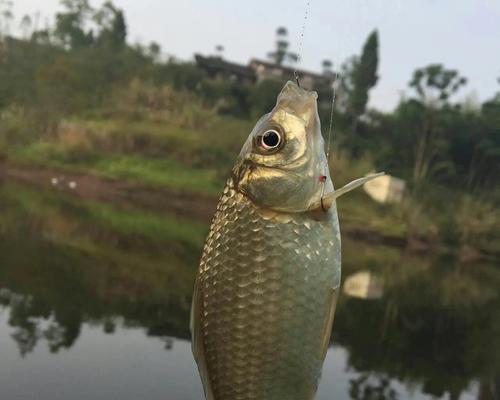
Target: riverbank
(194, 206)
(199, 207)
(87, 186)
(181, 169)
(76, 268)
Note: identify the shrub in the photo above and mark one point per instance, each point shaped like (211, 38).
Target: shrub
(140, 100)
(75, 141)
(17, 125)
(476, 221)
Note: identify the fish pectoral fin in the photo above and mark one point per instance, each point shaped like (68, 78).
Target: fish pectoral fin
(352, 185)
(326, 202)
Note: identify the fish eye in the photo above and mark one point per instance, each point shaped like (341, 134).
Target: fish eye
(270, 140)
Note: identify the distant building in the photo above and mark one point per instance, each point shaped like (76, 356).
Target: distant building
(385, 189)
(258, 70)
(217, 67)
(309, 80)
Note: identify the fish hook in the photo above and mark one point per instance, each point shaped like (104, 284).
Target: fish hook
(297, 77)
(326, 200)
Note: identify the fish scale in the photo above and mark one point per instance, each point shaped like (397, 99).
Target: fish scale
(264, 300)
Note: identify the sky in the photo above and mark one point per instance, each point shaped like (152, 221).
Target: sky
(461, 34)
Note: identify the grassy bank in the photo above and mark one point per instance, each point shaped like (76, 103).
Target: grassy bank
(151, 152)
(194, 160)
(197, 157)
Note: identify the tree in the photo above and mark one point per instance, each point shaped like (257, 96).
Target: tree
(263, 96)
(70, 26)
(154, 51)
(25, 25)
(119, 29)
(484, 167)
(6, 16)
(434, 85)
(219, 50)
(281, 53)
(112, 24)
(327, 67)
(363, 76)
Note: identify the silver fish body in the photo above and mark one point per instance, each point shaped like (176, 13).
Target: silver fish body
(264, 299)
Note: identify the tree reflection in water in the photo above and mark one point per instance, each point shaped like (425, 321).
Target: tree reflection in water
(437, 325)
(369, 387)
(62, 265)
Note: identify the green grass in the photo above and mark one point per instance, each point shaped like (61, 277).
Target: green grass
(136, 168)
(196, 160)
(152, 226)
(47, 206)
(147, 152)
(355, 209)
(158, 172)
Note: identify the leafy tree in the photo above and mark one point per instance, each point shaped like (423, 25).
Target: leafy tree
(25, 25)
(263, 96)
(346, 83)
(362, 76)
(282, 54)
(181, 75)
(113, 28)
(219, 50)
(434, 85)
(6, 17)
(70, 26)
(327, 67)
(41, 37)
(60, 87)
(18, 69)
(484, 167)
(154, 51)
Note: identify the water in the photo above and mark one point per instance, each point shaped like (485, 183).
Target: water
(95, 298)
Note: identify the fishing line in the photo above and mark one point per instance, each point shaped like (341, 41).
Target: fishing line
(329, 138)
(330, 127)
(301, 41)
(334, 95)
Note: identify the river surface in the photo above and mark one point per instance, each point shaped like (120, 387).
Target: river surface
(95, 298)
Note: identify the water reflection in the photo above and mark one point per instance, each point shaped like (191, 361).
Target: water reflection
(367, 386)
(437, 324)
(364, 285)
(432, 326)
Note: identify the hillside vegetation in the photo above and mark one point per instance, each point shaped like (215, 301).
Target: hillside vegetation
(77, 96)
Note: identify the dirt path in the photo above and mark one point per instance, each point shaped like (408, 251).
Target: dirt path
(189, 205)
(197, 207)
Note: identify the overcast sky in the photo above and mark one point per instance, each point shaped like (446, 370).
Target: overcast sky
(462, 34)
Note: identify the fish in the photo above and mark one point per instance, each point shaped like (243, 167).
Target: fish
(266, 288)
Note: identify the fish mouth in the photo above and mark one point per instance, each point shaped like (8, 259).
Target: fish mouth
(293, 93)
(298, 101)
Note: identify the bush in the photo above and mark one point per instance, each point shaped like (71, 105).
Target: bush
(345, 169)
(18, 125)
(140, 100)
(75, 142)
(263, 95)
(477, 221)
